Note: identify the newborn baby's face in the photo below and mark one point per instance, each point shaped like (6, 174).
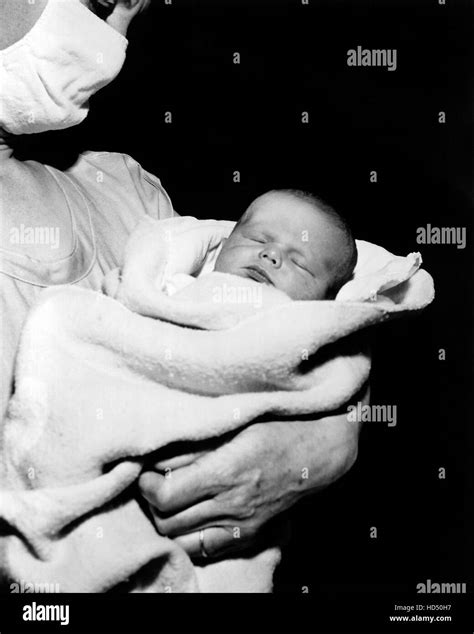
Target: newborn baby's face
(284, 242)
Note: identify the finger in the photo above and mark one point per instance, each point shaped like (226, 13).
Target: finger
(179, 489)
(207, 513)
(176, 462)
(218, 541)
(178, 454)
(149, 484)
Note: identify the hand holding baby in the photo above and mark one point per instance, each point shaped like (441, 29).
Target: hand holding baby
(117, 13)
(233, 490)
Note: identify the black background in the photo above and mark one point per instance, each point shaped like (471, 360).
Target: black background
(247, 117)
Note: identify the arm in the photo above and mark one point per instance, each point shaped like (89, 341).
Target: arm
(245, 482)
(19, 16)
(28, 194)
(52, 93)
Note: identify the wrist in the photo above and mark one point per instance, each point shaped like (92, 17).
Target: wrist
(297, 449)
(115, 15)
(124, 12)
(325, 449)
(119, 23)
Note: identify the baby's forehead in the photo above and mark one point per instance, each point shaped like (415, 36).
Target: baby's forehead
(284, 213)
(274, 200)
(270, 208)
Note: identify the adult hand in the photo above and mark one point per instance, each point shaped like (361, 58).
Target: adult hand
(235, 489)
(117, 13)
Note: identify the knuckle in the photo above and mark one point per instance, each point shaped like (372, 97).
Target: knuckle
(247, 501)
(254, 479)
(246, 511)
(244, 507)
(224, 477)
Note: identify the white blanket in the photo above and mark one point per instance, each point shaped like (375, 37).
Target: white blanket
(102, 381)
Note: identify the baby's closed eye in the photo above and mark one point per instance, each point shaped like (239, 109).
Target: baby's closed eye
(256, 238)
(301, 265)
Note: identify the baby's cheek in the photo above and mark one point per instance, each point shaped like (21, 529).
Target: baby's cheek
(231, 258)
(222, 261)
(308, 290)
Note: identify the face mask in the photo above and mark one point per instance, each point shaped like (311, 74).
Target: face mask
(47, 77)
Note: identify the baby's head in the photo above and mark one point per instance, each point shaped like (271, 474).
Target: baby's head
(291, 240)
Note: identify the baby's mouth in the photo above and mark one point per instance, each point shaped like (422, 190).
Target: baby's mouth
(258, 274)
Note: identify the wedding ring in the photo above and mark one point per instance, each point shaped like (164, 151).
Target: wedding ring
(201, 544)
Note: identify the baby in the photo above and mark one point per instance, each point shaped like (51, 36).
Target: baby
(293, 241)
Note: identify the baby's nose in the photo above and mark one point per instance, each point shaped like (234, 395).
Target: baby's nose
(272, 256)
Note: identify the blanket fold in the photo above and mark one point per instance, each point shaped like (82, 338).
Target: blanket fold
(104, 380)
